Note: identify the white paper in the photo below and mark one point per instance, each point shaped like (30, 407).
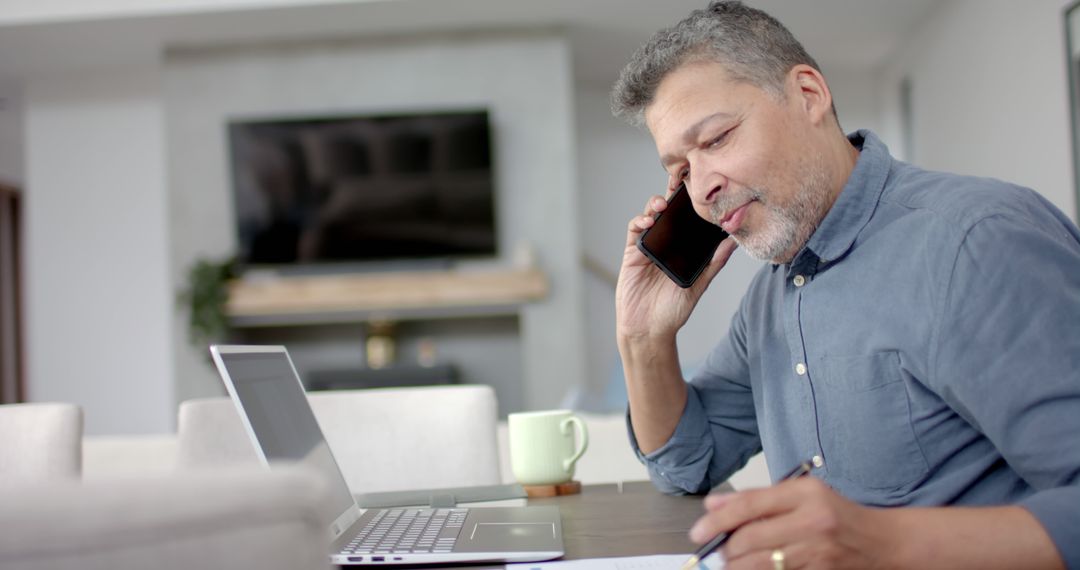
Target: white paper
(654, 562)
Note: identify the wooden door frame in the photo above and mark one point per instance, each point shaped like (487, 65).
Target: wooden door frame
(12, 379)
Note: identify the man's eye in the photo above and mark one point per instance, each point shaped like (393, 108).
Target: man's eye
(719, 139)
(684, 173)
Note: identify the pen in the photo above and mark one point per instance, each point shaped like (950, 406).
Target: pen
(717, 541)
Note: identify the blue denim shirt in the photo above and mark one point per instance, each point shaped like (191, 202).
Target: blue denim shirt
(924, 345)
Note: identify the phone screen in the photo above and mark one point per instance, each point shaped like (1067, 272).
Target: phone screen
(680, 242)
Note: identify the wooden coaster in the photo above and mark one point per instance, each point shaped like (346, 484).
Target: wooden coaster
(537, 491)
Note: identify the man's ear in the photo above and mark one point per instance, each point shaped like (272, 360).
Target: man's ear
(811, 93)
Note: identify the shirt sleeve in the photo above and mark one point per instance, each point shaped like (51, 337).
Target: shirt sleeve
(717, 433)
(1007, 355)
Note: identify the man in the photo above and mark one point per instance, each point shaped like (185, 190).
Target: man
(917, 334)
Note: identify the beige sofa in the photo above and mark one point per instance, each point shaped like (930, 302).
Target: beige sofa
(51, 519)
(227, 519)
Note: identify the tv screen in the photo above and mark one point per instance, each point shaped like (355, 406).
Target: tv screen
(363, 188)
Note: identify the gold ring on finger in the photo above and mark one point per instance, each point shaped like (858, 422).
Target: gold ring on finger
(778, 559)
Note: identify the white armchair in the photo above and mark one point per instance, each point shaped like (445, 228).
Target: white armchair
(384, 439)
(129, 454)
(40, 441)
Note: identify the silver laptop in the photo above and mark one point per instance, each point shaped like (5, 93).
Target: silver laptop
(268, 393)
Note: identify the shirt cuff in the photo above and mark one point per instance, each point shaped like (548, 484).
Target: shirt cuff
(681, 465)
(1056, 509)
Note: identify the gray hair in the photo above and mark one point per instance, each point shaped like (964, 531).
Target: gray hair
(753, 47)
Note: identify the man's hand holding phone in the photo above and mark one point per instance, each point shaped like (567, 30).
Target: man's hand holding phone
(671, 256)
(650, 308)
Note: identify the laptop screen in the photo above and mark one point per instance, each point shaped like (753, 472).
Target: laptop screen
(281, 417)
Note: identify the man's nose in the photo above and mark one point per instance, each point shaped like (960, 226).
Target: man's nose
(704, 188)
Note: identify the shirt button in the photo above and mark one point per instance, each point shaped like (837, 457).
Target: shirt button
(817, 461)
(800, 369)
(799, 280)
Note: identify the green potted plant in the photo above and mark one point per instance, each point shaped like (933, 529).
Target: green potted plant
(205, 297)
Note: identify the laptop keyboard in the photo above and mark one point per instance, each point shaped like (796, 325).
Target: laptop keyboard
(409, 530)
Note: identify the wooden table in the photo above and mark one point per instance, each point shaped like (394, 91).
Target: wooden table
(629, 520)
(610, 520)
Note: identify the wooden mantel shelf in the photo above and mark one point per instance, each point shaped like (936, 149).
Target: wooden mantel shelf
(357, 297)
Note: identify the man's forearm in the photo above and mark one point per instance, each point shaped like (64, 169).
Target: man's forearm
(655, 388)
(977, 537)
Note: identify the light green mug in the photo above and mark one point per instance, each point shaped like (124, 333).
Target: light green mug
(542, 449)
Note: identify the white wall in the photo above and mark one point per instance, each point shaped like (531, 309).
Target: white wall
(857, 99)
(618, 169)
(11, 134)
(989, 94)
(616, 165)
(523, 79)
(97, 295)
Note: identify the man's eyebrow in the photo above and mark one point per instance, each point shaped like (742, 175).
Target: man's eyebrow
(691, 134)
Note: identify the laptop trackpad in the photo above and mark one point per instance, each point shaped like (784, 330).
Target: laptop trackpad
(512, 535)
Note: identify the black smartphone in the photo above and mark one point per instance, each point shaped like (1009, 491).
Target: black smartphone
(680, 242)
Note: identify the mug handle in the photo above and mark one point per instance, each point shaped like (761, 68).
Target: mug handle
(564, 426)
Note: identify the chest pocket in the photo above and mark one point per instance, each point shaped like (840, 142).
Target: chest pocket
(864, 420)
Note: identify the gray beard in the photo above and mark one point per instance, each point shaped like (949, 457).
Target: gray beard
(788, 226)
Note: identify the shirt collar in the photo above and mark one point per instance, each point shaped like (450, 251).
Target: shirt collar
(853, 207)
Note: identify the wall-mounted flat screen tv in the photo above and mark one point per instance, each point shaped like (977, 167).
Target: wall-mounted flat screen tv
(336, 189)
